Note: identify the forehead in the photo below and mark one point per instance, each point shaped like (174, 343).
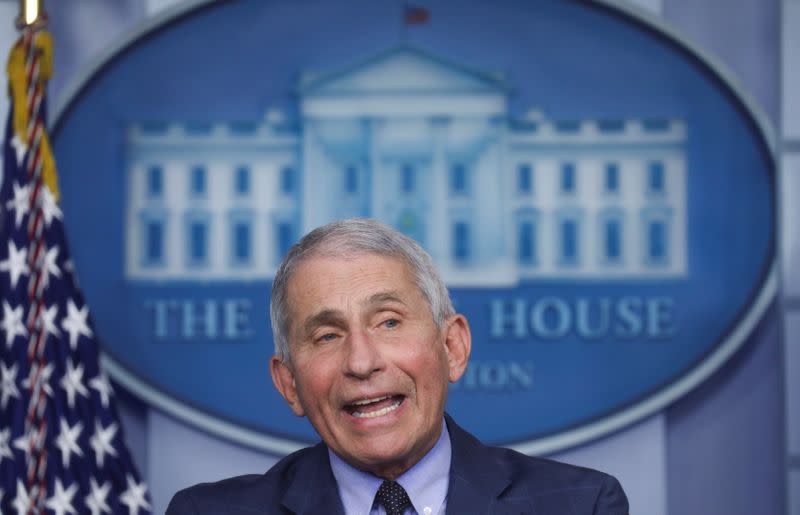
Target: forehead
(321, 279)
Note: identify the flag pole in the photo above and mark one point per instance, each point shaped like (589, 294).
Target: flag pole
(28, 93)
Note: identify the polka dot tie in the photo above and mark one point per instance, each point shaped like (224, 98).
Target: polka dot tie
(393, 497)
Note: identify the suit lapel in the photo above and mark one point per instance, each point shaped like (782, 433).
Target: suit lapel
(312, 489)
(478, 479)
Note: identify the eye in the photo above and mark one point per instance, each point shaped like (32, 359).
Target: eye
(391, 323)
(327, 337)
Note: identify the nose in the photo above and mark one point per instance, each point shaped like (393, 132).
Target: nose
(363, 357)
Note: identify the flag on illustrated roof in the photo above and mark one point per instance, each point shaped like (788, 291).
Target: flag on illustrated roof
(61, 444)
(416, 15)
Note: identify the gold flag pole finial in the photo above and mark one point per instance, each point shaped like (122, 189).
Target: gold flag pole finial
(30, 66)
(31, 14)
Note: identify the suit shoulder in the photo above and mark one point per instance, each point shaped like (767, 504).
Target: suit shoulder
(241, 494)
(549, 474)
(525, 484)
(549, 479)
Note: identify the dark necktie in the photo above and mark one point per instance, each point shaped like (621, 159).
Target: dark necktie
(393, 498)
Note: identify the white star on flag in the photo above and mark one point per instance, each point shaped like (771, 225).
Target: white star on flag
(134, 496)
(50, 207)
(47, 371)
(49, 320)
(22, 503)
(19, 148)
(8, 384)
(72, 382)
(50, 266)
(69, 268)
(67, 441)
(101, 441)
(24, 443)
(15, 264)
(5, 450)
(96, 500)
(103, 387)
(76, 323)
(12, 323)
(19, 203)
(61, 501)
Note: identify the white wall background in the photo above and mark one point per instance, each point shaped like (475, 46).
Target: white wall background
(790, 217)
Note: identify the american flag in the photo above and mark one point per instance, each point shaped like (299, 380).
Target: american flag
(61, 443)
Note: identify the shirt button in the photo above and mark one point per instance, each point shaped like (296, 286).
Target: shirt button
(427, 510)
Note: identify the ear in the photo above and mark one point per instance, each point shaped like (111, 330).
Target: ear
(458, 344)
(283, 377)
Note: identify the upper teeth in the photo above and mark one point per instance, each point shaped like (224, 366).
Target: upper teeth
(381, 412)
(370, 401)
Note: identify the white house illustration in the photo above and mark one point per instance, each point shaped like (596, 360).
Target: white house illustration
(428, 146)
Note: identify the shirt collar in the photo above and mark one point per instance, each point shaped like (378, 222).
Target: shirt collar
(425, 482)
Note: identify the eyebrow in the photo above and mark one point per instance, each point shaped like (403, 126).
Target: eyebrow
(335, 317)
(324, 317)
(387, 296)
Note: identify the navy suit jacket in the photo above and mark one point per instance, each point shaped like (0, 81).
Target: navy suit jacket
(483, 480)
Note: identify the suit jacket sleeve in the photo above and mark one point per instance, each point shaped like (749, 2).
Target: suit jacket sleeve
(611, 500)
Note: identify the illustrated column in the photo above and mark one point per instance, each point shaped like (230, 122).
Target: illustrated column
(439, 235)
(377, 194)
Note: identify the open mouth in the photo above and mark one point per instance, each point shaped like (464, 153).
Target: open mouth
(375, 407)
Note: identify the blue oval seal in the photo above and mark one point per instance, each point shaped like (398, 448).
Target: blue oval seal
(599, 198)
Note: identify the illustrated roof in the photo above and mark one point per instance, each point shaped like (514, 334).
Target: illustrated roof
(403, 69)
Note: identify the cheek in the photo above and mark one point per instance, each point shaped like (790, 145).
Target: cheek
(312, 397)
(313, 384)
(429, 368)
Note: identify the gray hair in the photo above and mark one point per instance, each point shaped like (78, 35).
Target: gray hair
(353, 237)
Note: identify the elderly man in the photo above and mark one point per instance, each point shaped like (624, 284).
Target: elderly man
(366, 342)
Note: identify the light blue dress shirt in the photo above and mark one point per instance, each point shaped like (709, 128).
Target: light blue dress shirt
(426, 483)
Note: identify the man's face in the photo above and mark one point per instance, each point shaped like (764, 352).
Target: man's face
(369, 367)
